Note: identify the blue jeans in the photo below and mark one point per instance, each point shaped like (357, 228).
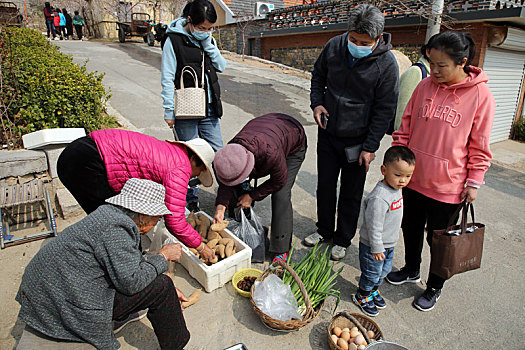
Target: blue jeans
(372, 271)
(51, 28)
(208, 129)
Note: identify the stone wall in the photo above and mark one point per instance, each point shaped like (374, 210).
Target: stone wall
(298, 57)
(229, 37)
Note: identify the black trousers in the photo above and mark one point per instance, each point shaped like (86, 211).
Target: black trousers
(420, 211)
(332, 162)
(164, 311)
(83, 173)
(78, 29)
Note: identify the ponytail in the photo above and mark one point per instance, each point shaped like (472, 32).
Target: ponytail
(199, 11)
(457, 45)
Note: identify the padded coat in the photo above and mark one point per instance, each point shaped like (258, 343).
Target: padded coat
(129, 154)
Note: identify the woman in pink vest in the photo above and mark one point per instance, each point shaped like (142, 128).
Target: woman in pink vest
(96, 167)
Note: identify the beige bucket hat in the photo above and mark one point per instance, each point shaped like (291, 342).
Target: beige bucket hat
(204, 151)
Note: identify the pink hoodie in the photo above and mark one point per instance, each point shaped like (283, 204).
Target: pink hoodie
(448, 128)
(128, 154)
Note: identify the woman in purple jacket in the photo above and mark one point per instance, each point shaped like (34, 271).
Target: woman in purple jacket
(273, 144)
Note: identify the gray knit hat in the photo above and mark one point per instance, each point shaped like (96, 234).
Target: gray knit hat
(142, 196)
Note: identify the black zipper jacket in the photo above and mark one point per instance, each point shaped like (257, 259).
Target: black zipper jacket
(361, 101)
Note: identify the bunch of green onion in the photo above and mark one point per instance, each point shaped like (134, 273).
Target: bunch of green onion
(316, 273)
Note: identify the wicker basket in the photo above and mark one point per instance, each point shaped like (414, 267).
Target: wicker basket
(292, 325)
(239, 275)
(348, 320)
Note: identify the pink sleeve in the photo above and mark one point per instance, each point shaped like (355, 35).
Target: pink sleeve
(176, 184)
(401, 137)
(479, 154)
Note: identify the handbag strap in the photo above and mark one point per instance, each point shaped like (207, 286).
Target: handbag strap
(464, 208)
(191, 71)
(202, 76)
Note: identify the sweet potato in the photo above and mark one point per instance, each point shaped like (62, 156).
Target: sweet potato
(194, 251)
(204, 224)
(221, 249)
(230, 249)
(192, 299)
(220, 226)
(191, 220)
(212, 243)
(225, 241)
(213, 235)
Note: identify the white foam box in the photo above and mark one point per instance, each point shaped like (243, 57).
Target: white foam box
(217, 275)
(46, 137)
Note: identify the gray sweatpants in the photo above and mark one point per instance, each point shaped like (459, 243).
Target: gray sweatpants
(282, 211)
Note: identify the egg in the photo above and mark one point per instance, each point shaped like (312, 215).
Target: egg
(346, 330)
(334, 338)
(352, 346)
(345, 336)
(343, 344)
(337, 331)
(354, 329)
(354, 333)
(371, 334)
(359, 340)
(361, 347)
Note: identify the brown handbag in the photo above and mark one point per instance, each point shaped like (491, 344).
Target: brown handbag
(458, 248)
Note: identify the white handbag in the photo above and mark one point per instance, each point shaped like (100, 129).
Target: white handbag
(190, 102)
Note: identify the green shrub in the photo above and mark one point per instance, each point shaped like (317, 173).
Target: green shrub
(42, 87)
(519, 129)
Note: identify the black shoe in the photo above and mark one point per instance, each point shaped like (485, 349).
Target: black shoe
(403, 276)
(193, 206)
(428, 299)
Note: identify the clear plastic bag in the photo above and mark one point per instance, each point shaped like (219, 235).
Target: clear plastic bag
(275, 299)
(250, 231)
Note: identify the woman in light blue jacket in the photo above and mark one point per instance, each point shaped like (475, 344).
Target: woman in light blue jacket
(188, 38)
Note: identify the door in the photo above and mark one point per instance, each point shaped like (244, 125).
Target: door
(505, 69)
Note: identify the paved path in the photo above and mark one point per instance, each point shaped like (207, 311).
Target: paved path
(479, 309)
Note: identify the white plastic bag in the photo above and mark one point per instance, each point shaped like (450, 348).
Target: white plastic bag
(275, 299)
(250, 231)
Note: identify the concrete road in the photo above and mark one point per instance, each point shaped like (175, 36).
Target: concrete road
(477, 310)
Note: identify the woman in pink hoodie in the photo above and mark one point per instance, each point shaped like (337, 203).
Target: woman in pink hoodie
(447, 124)
(96, 167)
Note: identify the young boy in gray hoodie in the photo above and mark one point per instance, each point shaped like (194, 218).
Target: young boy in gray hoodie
(383, 211)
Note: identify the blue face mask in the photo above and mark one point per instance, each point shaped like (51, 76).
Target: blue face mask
(199, 35)
(359, 51)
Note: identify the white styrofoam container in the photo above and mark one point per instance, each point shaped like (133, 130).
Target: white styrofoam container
(217, 275)
(42, 138)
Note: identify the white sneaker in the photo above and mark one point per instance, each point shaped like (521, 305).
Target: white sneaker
(338, 252)
(118, 325)
(56, 38)
(313, 239)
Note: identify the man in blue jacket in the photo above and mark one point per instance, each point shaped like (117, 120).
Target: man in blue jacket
(353, 96)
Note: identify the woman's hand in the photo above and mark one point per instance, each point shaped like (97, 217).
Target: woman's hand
(470, 194)
(170, 122)
(171, 252)
(245, 201)
(219, 214)
(207, 254)
(180, 295)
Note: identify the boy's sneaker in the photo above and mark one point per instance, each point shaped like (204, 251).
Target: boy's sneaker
(281, 257)
(338, 252)
(366, 304)
(379, 302)
(118, 325)
(428, 299)
(403, 276)
(313, 239)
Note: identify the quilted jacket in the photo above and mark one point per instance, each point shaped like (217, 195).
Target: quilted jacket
(129, 154)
